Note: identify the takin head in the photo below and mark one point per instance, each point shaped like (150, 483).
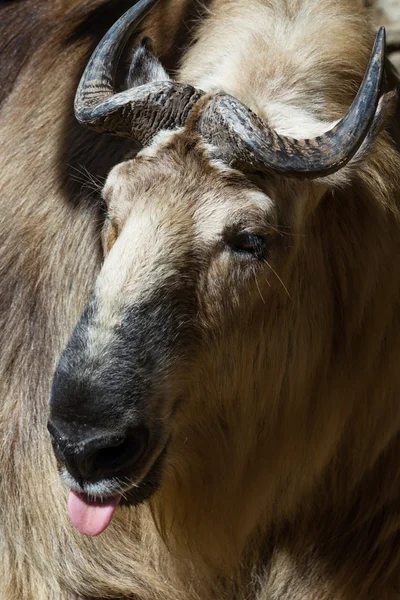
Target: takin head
(192, 249)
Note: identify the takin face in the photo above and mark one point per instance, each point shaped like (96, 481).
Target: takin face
(194, 269)
(191, 250)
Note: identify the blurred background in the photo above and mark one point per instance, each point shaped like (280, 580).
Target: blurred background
(387, 12)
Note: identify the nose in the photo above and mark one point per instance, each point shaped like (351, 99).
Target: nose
(101, 454)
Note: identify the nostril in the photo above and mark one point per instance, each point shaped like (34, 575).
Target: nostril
(100, 455)
(113, 458)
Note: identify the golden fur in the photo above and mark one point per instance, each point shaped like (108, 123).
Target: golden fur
(279, 486)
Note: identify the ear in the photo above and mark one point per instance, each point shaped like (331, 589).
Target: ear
(145, 67)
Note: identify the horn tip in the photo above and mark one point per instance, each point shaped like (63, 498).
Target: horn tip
(381, 38)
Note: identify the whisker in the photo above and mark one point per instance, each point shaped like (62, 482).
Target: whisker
(279, 229)
(89, 181)
(279, 279)
(258, 287)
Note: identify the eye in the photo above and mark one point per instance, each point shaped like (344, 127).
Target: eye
(250, 244)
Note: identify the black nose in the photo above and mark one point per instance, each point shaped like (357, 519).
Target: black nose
(101, 454)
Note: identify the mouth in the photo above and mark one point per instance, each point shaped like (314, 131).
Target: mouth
(92, 507)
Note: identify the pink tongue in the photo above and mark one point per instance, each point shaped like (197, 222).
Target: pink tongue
(90, 518)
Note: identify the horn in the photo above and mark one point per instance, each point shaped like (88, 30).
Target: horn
(246, 141)
(137, 113)
(241, 137)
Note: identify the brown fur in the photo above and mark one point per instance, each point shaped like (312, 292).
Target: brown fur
(283, 487)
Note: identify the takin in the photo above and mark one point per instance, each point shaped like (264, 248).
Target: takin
(214, 311)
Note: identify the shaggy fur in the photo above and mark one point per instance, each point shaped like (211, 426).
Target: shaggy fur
(282, 477)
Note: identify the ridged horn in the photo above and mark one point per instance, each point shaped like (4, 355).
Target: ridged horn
(242, 138)
(138, 113)
(245, 140)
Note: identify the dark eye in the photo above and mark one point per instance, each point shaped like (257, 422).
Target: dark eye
(250, 244)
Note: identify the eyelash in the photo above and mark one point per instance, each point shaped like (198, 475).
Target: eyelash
(250, 244)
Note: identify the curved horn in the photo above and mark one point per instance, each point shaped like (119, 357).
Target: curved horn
(140, 112)
(246, 140)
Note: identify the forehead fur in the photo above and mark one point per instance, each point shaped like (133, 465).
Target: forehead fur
(178, 152)
(178, 180)
(177, 163)
(180, 171)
